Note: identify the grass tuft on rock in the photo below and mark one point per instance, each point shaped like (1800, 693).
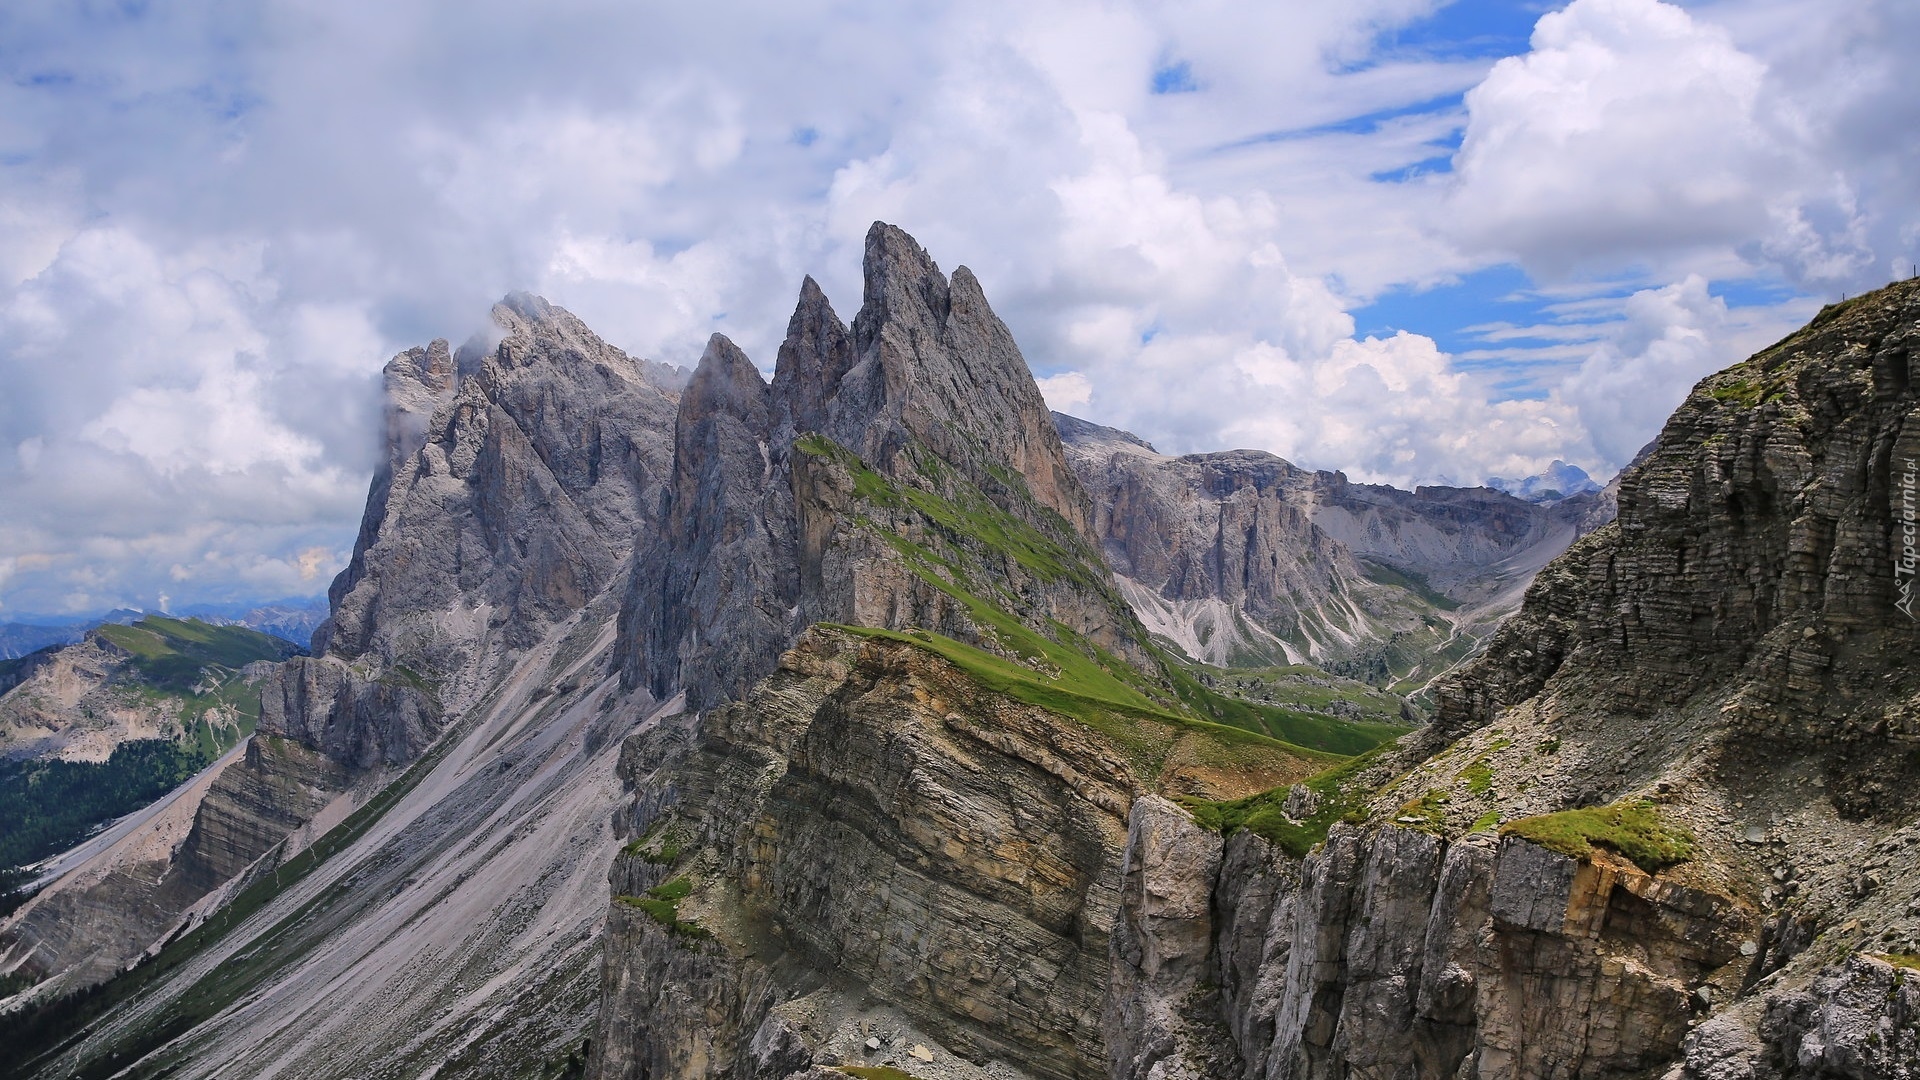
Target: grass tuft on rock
(1632, 829)
(1340, 796)
(1899, 959)
(662, 903)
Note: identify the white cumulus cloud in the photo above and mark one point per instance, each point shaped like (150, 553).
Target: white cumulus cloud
(218, 221)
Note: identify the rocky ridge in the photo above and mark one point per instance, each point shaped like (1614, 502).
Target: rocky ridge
(971, 737)
(1241, 558)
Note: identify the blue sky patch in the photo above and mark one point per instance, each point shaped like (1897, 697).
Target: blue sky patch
(1439, 163)
(1499, 325)
(1469, 30)
(1175, 78)
(1363, 124)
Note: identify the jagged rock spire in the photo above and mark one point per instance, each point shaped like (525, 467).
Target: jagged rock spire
(813, 361)
(928, 388)
(933, 365)
(519, 484)
(706, 610)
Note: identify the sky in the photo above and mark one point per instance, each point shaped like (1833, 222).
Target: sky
(1414, 240)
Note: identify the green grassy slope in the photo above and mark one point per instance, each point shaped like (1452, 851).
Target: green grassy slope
(186, 666)
(1044, 663)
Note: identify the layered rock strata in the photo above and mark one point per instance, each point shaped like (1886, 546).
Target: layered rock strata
(1724, 661)
(873, 834)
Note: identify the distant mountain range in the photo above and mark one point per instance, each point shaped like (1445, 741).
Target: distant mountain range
(293, 619)
(1559, 481)
(1240, 558)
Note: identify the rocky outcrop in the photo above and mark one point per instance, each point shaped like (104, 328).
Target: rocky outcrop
(1242, 558)
(513, 492)
(517, 481)
(873, 837)
(1397, 953)
(936, 370)
(710, 603)
(1858, 1021)
(1757, 548)
(1731, 647)
(1163, 1007)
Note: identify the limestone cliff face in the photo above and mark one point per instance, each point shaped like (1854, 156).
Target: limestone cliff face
(791, 502)
(1728, 658)
(1240, 557)
(516, 484)
(709, 605)
(513, 492)
(1738, 635)
(935, 368)
(1399, 953)
(517, 481)
(873, 841)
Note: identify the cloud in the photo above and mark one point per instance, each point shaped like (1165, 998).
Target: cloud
(1638, 134)
(159, 414)
(1066, 391)
(1629, 130)
(218, 221)
(1667, 339)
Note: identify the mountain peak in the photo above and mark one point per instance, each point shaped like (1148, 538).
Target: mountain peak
(902, 285)
(934, 366)
(1557, 481)
(761, 530)
(725, 382)
(812, 362)
(1087, 435)
(527, 306)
